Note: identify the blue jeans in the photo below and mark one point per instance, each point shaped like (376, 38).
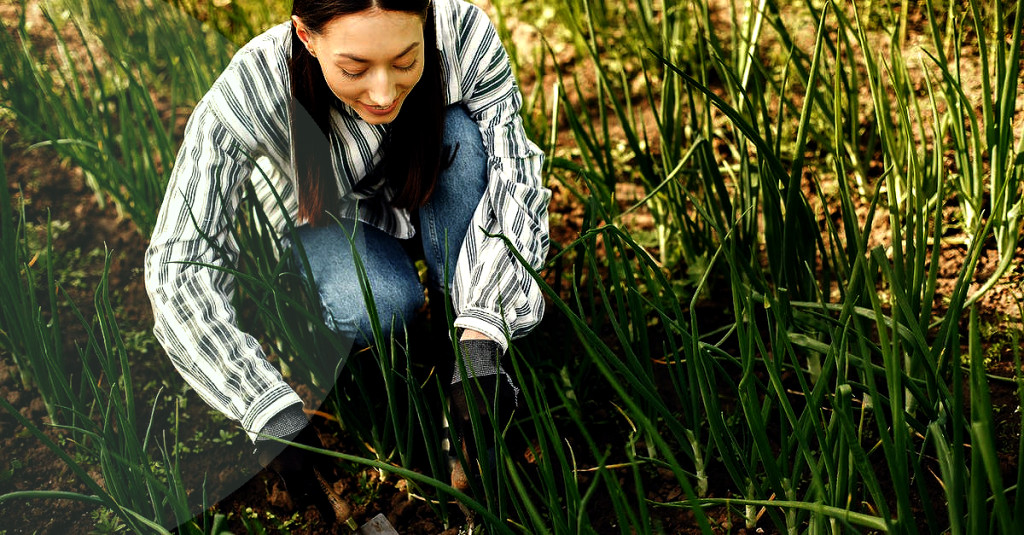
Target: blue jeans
(392, 277)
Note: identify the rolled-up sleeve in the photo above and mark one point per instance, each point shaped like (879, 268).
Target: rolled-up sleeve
(194, 318)
(493, 292)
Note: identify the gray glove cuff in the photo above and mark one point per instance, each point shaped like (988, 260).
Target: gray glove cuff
(285, 424)
(481, 358)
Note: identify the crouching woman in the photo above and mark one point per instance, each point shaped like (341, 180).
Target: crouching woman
(398, 118)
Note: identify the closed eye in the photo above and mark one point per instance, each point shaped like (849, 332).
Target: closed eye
(406, 68)
(352, 75)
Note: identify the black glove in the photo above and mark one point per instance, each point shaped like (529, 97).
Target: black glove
(479, 387)
(303, 473)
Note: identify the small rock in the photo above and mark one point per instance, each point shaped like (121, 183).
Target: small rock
(97, 477)
(37, 406)
(279, 498)
(399, 506)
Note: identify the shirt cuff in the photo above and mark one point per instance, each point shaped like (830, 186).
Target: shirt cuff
(486, 323)
(285, 424)
(266, 406)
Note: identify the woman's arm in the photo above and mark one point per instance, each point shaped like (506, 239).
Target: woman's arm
(194, 318)
(494, 293)
(470, 334)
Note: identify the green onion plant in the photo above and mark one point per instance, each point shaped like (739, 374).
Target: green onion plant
(93, 404)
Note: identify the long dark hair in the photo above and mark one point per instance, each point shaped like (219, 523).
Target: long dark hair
(414, 136)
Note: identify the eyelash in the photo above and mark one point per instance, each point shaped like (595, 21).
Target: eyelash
(356, 75)
(408, 67)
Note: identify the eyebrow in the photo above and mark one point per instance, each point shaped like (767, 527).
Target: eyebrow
(358, 59)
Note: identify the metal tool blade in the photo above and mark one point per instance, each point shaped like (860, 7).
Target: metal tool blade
(377, 525)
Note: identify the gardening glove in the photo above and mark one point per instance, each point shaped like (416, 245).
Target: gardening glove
(303, 473)
(486, 390)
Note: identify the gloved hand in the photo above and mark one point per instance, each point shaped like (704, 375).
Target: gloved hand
(485, 391)
(303, 473)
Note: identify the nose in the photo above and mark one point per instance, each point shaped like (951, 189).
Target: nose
(381, 90)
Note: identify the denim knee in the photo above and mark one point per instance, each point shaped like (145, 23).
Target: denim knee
(393, 282)
(348, 313)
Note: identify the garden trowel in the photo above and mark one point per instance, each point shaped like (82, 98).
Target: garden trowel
(377, 525)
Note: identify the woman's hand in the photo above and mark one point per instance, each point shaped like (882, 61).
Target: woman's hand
(305, 474)
(480, 390)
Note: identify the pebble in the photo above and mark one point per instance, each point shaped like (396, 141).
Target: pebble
(400, 505)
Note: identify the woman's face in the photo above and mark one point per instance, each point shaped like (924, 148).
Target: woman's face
(371, 59)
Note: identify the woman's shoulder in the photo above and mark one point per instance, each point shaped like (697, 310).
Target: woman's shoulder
(264, 55)
(464, 31)
(252, 93)
(466, 39)
(455, 15)
(273, 40)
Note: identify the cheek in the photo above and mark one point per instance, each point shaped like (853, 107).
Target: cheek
(341, 85)
(413, 77)
(410, 79)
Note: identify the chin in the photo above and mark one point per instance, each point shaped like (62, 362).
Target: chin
(379, 119)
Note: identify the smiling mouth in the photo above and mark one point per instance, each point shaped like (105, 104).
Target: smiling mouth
(381, 110)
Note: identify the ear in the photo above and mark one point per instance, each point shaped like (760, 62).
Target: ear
(303, 32)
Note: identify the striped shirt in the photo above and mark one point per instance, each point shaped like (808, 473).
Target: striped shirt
(239, 131)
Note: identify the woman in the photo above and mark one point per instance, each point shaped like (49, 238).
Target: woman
(391, 116)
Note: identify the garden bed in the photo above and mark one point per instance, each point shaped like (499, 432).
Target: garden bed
(612, 451)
